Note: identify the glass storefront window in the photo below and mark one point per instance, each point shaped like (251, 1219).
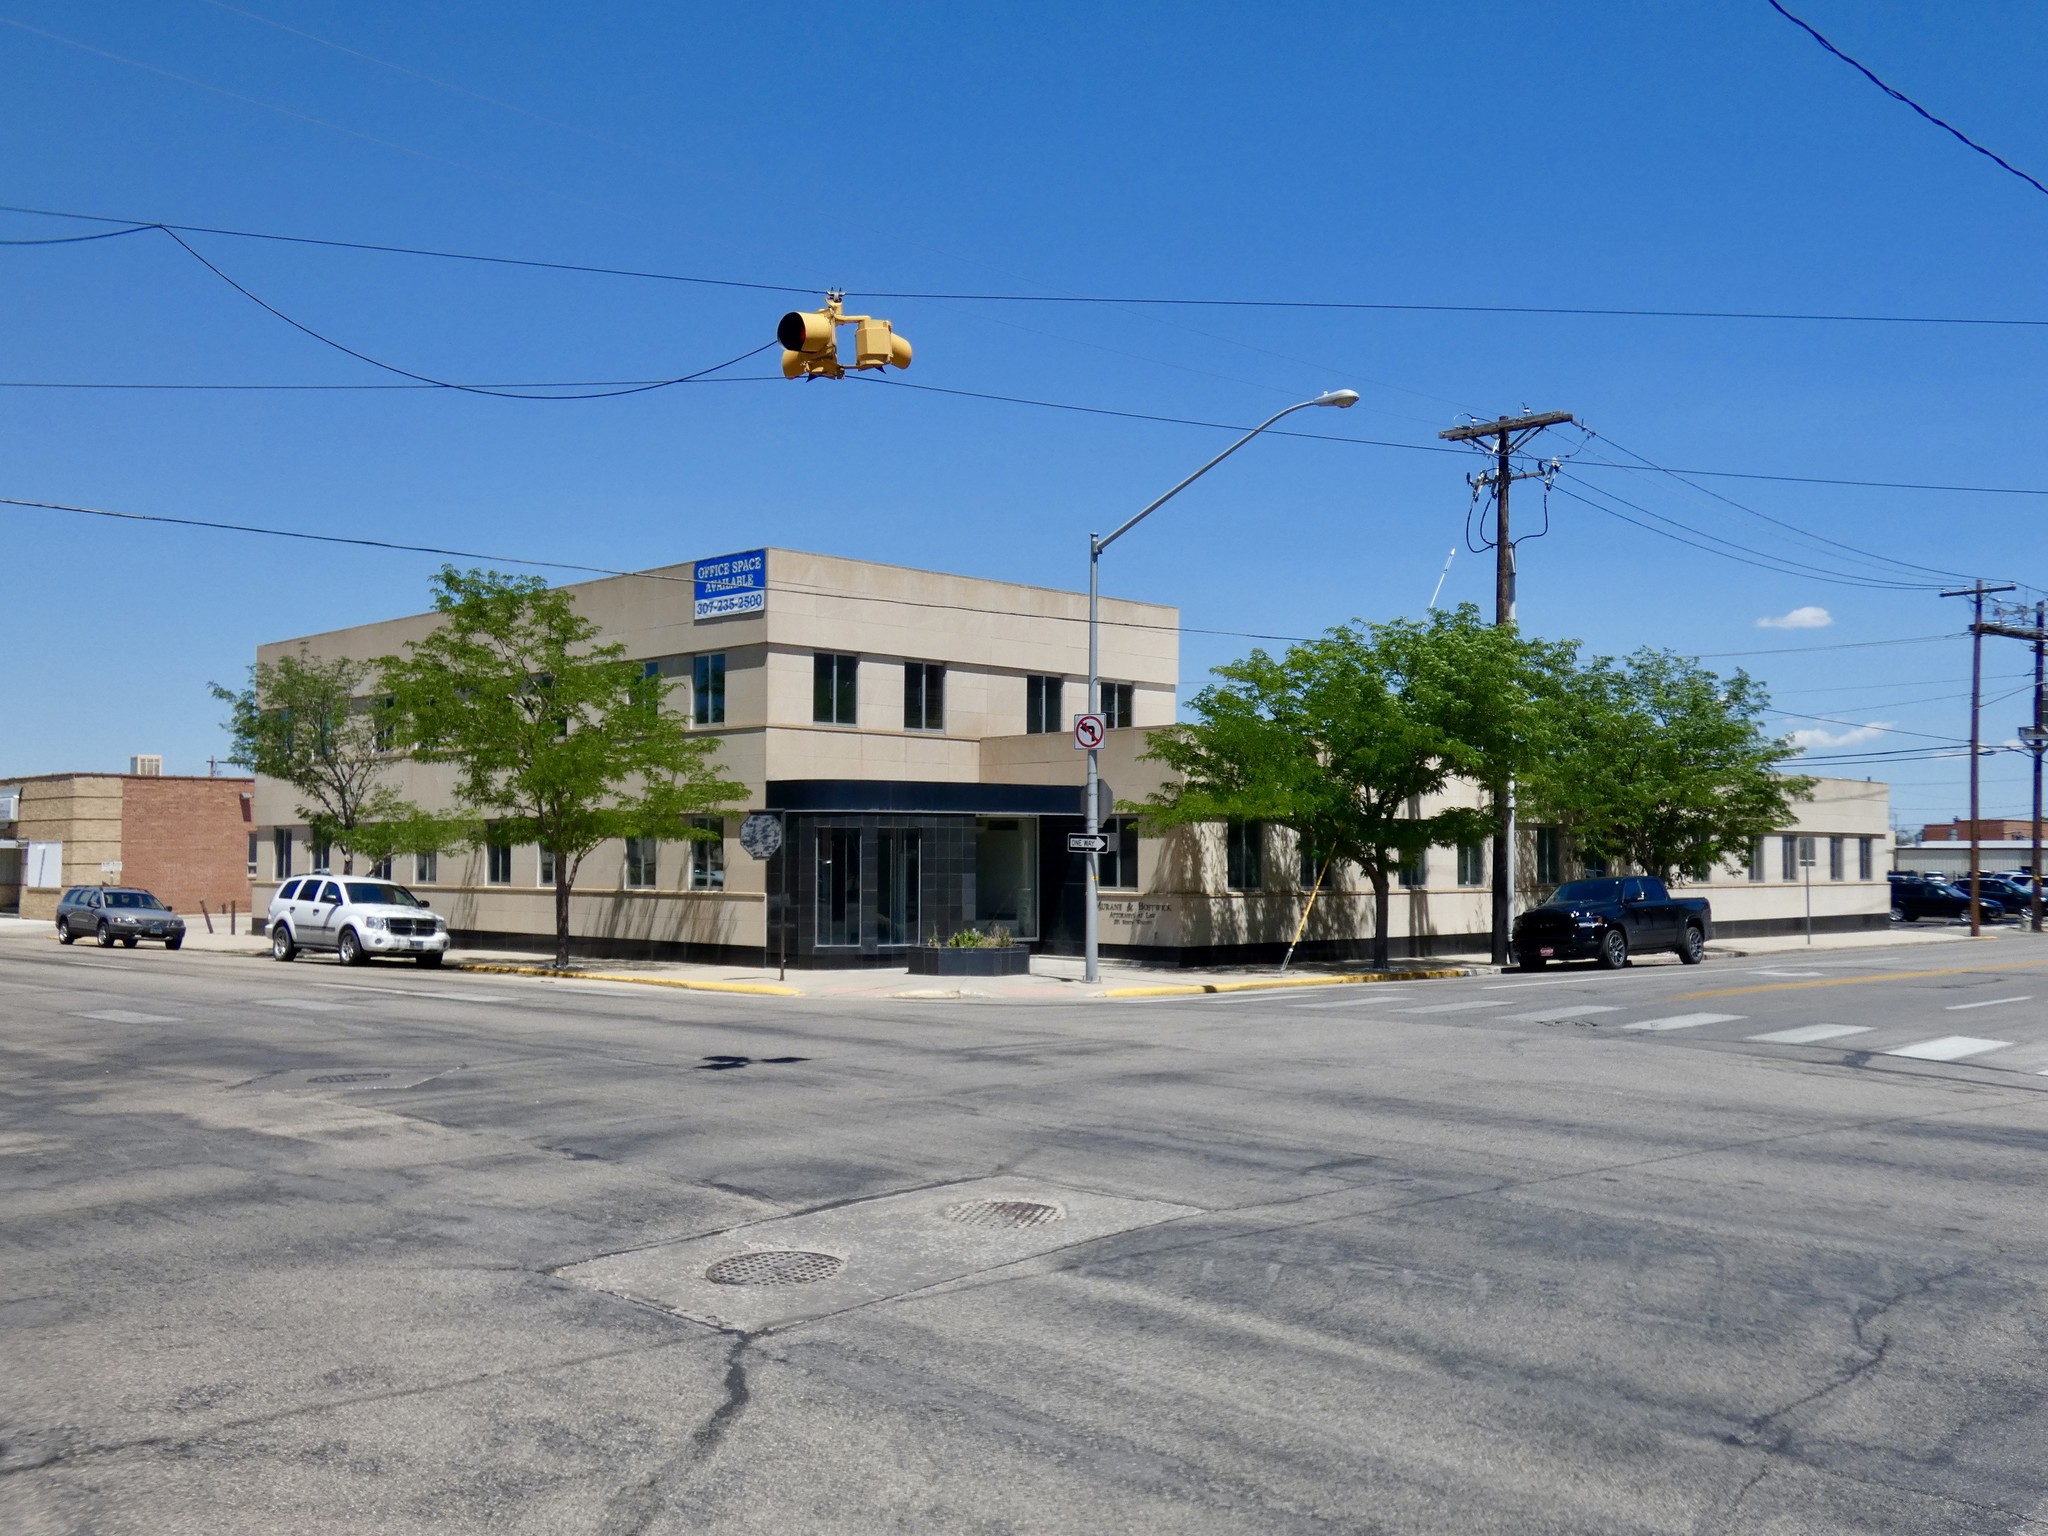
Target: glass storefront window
(1006, 873)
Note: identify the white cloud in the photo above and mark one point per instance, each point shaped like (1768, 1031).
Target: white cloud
(1811, 736)
(1809, 617)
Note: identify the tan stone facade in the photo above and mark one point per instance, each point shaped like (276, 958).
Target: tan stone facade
(918, 827)
(186, 839)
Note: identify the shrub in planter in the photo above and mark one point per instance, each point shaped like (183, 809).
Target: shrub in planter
(971, 952)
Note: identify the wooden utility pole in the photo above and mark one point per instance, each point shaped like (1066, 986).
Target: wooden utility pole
(1976, 592)
(1509, 433)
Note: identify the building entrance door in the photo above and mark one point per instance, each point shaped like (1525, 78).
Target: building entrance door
(1006, 874)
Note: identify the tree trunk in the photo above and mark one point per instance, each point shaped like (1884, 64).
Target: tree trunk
(562, 878)
(1382, 910)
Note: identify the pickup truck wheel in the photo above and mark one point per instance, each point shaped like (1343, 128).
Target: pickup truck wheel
(281, 945)
(1692, 945)
(350, 950)
(1613, 949)
(1899, 914)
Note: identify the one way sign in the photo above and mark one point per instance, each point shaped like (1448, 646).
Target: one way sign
(1087, 842)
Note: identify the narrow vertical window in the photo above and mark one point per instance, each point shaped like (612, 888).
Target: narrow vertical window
(1788, 857)
(1472, 864)
(1415, 872)
(1756, 858)
(1863, 857)
(1042, 713)
(641, 866)
(1549, 857)
(1117, 870)
(426, 868)
(1836, 860)
(838, 887)
(1116, 706)
(924, 696)
(899, 871)
(497, 858)
(255, 845)
(707, 855)
(1242, 865)
(833, 688)
(707, 689)
(545, 874)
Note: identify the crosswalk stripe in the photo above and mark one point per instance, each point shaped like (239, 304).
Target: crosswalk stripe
(1687, 1021)
(1949, 1048)
(1809, 1034)
(1555, 1015)
(1989, 1002)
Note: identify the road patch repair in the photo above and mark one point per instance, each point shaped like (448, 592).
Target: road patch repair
(789, 1268)
(347, 1077)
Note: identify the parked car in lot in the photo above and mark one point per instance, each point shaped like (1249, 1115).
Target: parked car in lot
(1608, 920)
(116, 914)
(2010, 894)
(357, 919)
(1916, 896)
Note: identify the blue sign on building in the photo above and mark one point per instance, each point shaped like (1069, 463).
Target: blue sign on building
(732, 584)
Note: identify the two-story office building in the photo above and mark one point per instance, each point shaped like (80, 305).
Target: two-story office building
(911, 731)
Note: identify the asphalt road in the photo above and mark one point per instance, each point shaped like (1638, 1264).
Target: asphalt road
(293, 1249)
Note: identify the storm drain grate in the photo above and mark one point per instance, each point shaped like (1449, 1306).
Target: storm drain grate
(774, 1266)
(350, 1077)
(1008, 1214)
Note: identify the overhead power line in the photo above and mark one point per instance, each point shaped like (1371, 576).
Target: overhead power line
(1168, 301)
(1901, 97)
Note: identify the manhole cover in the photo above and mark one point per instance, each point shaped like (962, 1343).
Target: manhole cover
(350, 1077)
(1004, 1213)
(774, 1266)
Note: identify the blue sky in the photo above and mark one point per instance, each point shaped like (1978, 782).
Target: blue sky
(1673, 157)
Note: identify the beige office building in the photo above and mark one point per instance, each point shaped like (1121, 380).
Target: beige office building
(912, 732)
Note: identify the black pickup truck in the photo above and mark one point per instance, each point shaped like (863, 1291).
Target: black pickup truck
(1608, 920)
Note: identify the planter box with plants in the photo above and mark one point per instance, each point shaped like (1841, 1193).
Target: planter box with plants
(970, 952)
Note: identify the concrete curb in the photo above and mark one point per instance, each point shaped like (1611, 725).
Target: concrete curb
(753, 988)
(1197, 989)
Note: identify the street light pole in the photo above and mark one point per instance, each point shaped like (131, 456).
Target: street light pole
(1091, 919)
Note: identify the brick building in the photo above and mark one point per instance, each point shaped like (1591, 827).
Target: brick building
(186, 839)
(1990, 829)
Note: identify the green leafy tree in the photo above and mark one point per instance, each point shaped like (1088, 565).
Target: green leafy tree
(1340, 737)
(1658, 764)
(556, 740)
(305, 720)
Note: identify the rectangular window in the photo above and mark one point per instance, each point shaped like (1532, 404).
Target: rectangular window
(1806, 854)
(1243, 842)
(1472, 864)
(707, 858)
(832, 688)
(322, 853)
(898, 872)
(1596, 867)
(838, 887)
(1116, 706)
(381, 870)
(1788, 857)
(384, 733)
(1864, 852)
(642, 864)
(1756, 858)
(707, 689)
(1837, 864)
(1549, 856)
(426, 869)
(255, 846)
(1042, 705)
(1416, 873)
(924, 696)
(545, 874)
(1117, 870)
(1006, 874)
(498, 863)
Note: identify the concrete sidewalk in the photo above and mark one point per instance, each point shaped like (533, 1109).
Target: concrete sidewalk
(1053, 978)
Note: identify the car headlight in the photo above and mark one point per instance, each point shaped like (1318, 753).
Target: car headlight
(373, 922)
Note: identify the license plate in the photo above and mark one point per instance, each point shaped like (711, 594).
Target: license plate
(1546, 951)
(415, 943)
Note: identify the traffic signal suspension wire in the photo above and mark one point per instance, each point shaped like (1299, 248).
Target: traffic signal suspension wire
(1365, 306)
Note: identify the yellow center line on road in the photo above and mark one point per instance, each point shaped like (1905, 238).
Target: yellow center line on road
(1853, 981)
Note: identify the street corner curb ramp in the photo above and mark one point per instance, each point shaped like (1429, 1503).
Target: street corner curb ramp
(1269, 984)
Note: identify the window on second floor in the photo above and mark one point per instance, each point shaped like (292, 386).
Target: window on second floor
(1042, 713)
(707, 689)
(833, 683)
(924, 696)
(1116, 706)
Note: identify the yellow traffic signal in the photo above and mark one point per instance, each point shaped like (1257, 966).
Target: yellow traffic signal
(810, 341)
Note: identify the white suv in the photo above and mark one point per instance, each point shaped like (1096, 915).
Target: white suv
(355, 918)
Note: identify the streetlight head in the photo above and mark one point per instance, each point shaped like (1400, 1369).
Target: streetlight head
(1342, 398)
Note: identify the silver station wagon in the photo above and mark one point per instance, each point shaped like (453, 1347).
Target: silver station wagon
(116, 914)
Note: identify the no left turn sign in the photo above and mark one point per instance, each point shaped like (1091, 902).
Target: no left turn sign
(1089, 731)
